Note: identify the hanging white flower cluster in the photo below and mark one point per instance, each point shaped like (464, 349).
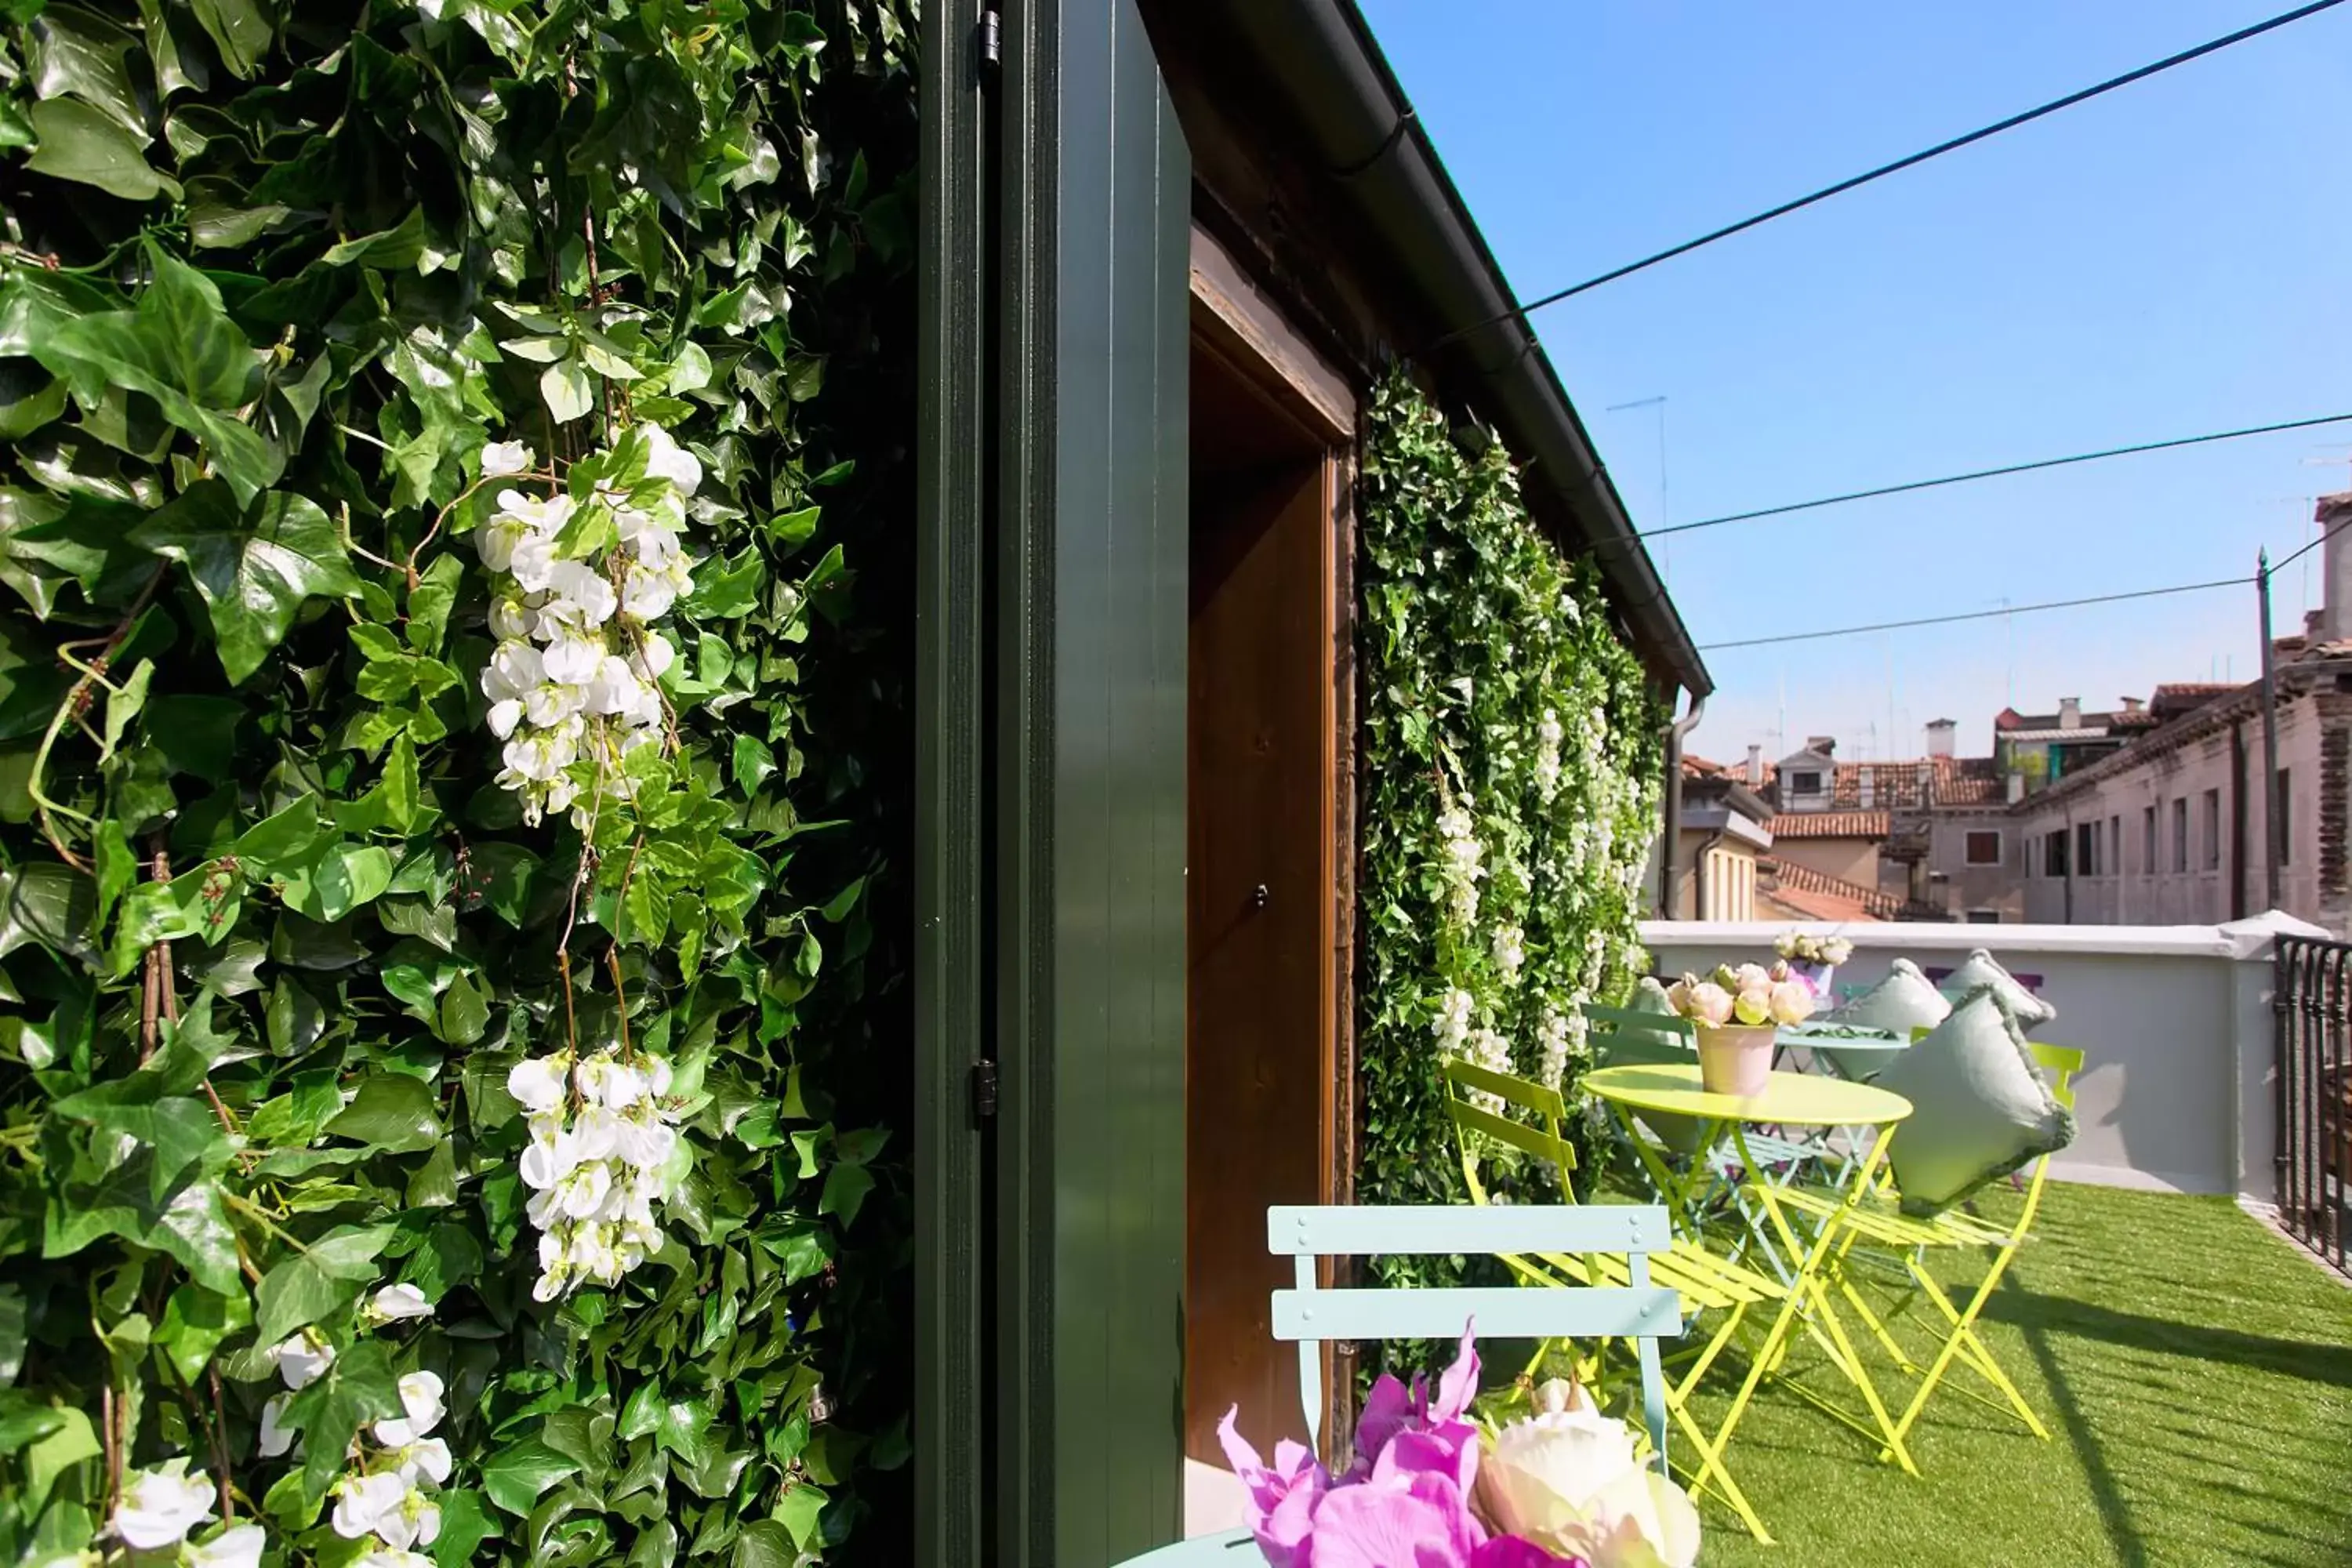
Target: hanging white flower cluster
(386, 1496)
(597, 1165)
(581, 577)
(159, 1507)
(1452, 1025)
(1509, 946)
(1489, 1050)
(1463, 860)
(1555, 1037)
(1548, 735)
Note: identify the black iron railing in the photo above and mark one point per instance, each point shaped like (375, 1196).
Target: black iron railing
(2313, 998)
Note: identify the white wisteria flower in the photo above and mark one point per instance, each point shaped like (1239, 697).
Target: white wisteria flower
(413, 1521)
(275, 1438)
(238, 1546)
(597, 1165)
(1509, 950)
(397, 1303)
(420, 1410)
(1452, 1025)
(574, 686)
(159, 1507)
(499, 458)
(302, 1359)
(362, 1502)
(428, 1459)
(389, 1557)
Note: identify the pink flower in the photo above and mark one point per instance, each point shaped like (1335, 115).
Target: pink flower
(1792, 1002)
(1709, 1004)
(1283, 1499)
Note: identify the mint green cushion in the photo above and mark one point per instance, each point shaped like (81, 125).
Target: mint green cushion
(1631, 1045)
(1982, 970)
(1979, 1107)
(1896, 1006)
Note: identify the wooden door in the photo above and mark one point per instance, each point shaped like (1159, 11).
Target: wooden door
(1259, 904)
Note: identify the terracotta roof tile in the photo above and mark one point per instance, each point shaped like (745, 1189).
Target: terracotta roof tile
(1829, 825)
(1817, 895)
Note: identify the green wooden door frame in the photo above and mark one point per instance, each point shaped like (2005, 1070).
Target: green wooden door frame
(954, 416)
(1050, 849)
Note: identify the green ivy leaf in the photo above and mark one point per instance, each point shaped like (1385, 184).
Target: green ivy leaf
(72, 50)
(195, 1321)
(358, 1386)
(564, 386)
(466, 1523)
(84, 144)
(395, 1113)
(516, 1475)
(179, 348)
(319, 1281)
(254, 568)
(238, 28)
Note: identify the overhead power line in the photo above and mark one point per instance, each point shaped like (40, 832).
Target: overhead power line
(1953, 145)
(1992, 473)
(1980, 615)
(2311, 546)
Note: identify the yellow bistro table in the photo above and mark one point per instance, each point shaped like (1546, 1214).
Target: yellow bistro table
(1789, 1099)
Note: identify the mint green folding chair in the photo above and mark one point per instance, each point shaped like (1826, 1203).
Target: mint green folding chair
(1310, 1314)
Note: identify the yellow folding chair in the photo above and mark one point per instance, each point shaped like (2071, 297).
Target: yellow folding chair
(1476, 1098)
(1906, 1241)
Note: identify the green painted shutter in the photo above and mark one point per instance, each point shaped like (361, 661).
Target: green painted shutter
(1090, 868)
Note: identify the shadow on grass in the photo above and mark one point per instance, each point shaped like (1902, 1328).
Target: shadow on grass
(2033, 1313)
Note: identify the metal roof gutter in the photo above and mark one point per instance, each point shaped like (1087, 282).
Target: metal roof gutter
(1321, 56)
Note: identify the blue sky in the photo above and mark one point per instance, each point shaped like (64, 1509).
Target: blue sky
(2170, 259)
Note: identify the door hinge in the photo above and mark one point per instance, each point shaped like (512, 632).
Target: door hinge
(983, 1090)
(992, 43)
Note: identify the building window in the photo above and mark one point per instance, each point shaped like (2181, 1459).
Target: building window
(2115, 846)
(2087, 849)
(2213, 830)
(1984, 847)
(2053, 853)
(2180, 834)
(2286, 818)
(2148, 844)
(1984, 917)
(1804, 783)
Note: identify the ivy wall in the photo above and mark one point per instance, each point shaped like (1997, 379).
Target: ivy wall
(452, 769)
(1509, 767)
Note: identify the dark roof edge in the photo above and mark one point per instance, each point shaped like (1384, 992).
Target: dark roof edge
(1322, 57)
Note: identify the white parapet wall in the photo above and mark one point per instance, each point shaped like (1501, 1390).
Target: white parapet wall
(2174, 1023)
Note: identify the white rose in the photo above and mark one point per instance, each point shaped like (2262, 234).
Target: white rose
(159, 1507)
(505, 457)
(420, 1411)
(1568, 1481)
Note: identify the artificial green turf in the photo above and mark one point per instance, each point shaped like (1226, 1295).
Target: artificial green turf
(2195, 1373)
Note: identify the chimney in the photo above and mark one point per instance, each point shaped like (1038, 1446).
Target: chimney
(1755, 767)
(2132, 705)
(2016, 787)
(1866, 784)
(2336, 569)
(2069, 712)
(1825, 744)
(1940, 732)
